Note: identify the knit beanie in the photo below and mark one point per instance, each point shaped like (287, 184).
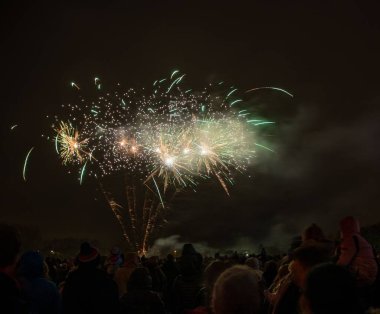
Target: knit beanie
(87, 253)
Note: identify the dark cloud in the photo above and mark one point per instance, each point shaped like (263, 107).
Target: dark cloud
(319, 173)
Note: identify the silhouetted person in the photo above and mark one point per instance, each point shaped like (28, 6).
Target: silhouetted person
(187, 285)
(269, 273)
(313, 235)
(356, 253)
(330, 289)
(211, 274)
(89, 289)
(190, 255)
(159, 283)
(41, 294)
(304, 259)
(263, 254)
(140, 299)
(170, 269)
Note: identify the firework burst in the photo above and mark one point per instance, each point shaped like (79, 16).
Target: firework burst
(165, 139)
(69, 144)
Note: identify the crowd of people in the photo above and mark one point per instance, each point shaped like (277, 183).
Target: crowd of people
(315, 276)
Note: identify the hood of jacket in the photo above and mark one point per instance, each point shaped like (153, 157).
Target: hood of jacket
(349, 225)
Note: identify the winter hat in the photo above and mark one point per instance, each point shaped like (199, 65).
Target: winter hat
(87, 253)
(349, 225)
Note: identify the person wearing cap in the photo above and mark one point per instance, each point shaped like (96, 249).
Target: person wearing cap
(140, 297)
(89, 289)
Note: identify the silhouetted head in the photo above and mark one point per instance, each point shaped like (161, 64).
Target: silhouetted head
(188, 249)
(313, 232)
(140, 279)
(295, 243)
(170, 258)
(212, 272)
(236, 291)
(304, 258)
(331, 289)
(31, 265)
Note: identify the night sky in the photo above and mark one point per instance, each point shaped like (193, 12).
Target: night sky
(326, 138)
